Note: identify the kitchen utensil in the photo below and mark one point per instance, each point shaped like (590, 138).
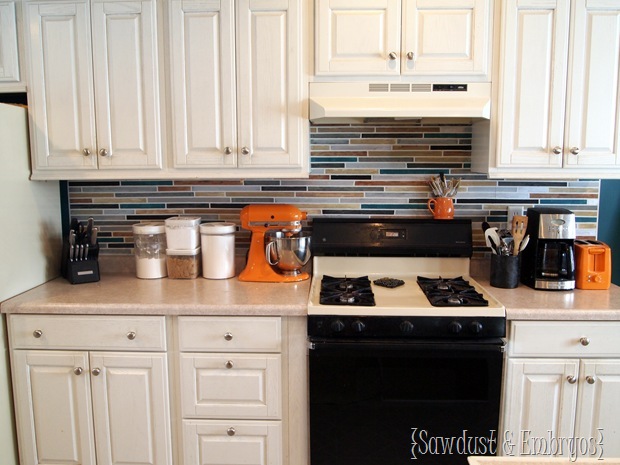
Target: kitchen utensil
(288, 254)
(524, 243)
(443, 187)
(519, 226)
(492, 240)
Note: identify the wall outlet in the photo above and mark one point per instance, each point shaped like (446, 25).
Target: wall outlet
(512, 211)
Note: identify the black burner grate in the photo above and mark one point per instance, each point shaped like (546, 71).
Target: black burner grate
(451, 292)
(346, 291)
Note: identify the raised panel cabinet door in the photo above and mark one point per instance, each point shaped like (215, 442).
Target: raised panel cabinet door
(131, 408)
(360, 37)
(231, 386)
(232, 442)
(532, 94)
(446, 37)
(593, 127)
(60, 85)
(270, 110)
(599, 404)
(125, 64)
(202, 75)
(9, 61)
(539, 399)
(53, 408)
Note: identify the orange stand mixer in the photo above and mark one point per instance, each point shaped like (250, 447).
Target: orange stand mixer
(263, 219)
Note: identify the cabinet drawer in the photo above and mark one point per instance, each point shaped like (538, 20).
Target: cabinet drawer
(232, 442)
(231, 386)
(566, 338)
(87, 332)
(230, 334)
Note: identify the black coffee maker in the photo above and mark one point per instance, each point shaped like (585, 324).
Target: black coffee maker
(548, 262)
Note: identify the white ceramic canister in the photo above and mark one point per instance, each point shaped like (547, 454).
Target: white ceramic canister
(218, 250)
(150, 250)
(182, 232)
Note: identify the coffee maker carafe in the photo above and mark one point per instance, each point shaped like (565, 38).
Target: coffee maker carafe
(548, 262)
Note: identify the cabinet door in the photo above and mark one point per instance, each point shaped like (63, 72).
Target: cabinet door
(357, 37)
(540, 397)
(533, 68)
(60, 81)
(599, 404)
(232, 442)
(231, 386)
(131, 408)
(202, 78)
(53, 409)
(126, 84)
(593, 127)
(9, 62)
(446, 37)
(269, 84)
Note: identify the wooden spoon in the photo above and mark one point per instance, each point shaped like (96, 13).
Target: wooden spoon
(519, 225)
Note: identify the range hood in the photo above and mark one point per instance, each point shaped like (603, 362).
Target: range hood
(355, 100)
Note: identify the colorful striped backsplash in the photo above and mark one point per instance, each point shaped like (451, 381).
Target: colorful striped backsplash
(371, 169)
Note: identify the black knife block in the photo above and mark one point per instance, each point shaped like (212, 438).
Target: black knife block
(80, 271)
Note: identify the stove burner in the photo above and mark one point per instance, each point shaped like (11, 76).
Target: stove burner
(346, 291)
(454, 292)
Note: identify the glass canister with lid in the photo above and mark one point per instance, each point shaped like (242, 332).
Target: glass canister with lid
(150, 250)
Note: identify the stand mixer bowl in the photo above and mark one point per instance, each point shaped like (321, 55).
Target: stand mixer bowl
(287, 253)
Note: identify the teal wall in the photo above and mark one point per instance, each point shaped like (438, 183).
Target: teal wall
(609, 223)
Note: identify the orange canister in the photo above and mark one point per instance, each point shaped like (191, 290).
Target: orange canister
(592, 265)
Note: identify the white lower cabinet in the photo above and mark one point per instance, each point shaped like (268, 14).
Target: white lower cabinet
(551, 399)
(91, 406)
(231, 399)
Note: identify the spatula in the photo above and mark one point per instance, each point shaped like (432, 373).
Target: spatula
(519, 225)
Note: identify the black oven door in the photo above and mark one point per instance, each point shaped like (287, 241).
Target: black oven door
(397, 403)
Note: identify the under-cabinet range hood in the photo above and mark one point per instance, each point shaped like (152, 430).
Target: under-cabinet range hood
(355, 100)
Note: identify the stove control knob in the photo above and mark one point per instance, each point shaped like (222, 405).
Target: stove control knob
(337, 326)
(455, 327)
(358, 326)
(475, 327)
(406, 327)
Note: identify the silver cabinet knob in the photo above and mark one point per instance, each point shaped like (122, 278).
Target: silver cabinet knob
(410, 55)
(131, 335)
(231, 431)
(590, 379)
(571, 379)
(584, 341)
(96, 371)
(392, 56)
(557, 150)
(37, 333)
(229, 364)
(78, 370)
(86, 152)
(228, 336)
(105, 153)
(227, 150)
(245, 151)
(575, 150)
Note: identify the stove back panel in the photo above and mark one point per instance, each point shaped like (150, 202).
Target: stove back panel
(412, 237)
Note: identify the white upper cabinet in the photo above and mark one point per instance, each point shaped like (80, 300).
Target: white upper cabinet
(439, 38)
(93, 90)
(9, 55)
(558, 103)
(237, 88)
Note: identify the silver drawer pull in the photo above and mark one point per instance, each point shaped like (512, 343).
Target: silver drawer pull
(131, 335)
(37, 333)
(228, 336)
(584, 341)
(590, 379)
(571, 379)
(229, 364)
(78, 370)
(96, 371)
(231, 431)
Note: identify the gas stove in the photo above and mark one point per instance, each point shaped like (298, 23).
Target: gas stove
(398, 278)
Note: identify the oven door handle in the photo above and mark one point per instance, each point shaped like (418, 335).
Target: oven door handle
(487, 345)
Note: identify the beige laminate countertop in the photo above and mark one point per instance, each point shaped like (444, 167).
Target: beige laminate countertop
(124, 294)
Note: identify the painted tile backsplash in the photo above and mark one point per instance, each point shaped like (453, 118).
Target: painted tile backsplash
(377, 168)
